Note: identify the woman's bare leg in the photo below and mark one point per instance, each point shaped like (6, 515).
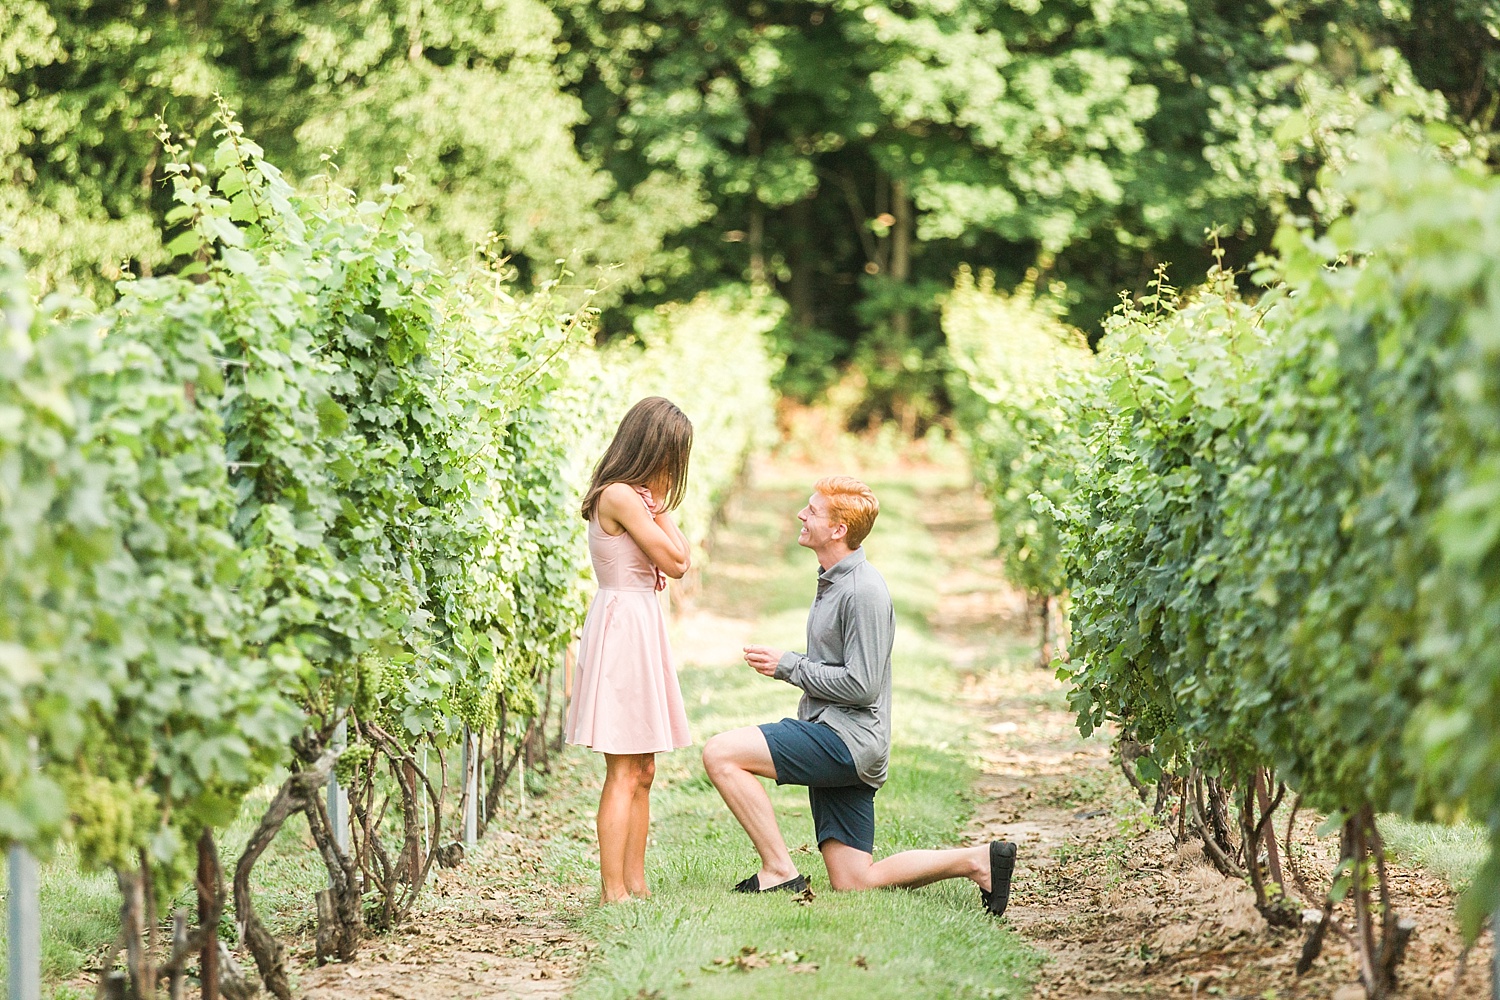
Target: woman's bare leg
(640, 826)
(616, 805)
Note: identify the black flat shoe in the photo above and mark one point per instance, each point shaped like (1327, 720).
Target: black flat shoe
(752, 884)
(1002, 866)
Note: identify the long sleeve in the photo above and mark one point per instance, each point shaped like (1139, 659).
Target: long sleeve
(868, 630)
(845, 675)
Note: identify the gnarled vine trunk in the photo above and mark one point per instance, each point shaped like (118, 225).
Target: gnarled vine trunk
(292, 796)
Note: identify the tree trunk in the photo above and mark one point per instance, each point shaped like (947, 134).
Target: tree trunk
(343, 879)
(412, 849)
(882, 257)
(1364, 924)
(901, 235)
(501, 769)
(800, 289)
(176, 981)
(326, 947)
(1060, 626)
(1395, 931)
(1273, 853)
(543, 746)
(757, 210)
(757, 244)
(1044, 640)
(567, 695)
(418, 792)
(1128, 752)
(1255, 830)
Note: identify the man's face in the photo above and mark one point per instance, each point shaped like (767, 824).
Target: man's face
(817, 531)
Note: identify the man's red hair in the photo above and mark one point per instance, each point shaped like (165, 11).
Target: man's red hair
(850, 503)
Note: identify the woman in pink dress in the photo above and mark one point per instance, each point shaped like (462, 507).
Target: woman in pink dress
(626, 702)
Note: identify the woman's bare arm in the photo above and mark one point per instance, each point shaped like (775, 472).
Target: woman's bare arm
(662, 541)
(667, 524)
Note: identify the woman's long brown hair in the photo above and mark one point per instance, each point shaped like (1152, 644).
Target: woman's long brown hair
(653, 441)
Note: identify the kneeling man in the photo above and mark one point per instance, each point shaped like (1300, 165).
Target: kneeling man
(839, 744)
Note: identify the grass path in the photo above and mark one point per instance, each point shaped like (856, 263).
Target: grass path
(520, 919)
(695, 939)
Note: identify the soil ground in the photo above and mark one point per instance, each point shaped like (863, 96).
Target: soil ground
(1117, 908)
(495, 927)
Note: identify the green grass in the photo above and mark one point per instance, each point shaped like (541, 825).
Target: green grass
(1454, 852)
(932, 942)
(79, 912)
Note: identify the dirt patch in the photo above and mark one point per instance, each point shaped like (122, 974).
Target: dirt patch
(1101, 887)
(495, 927)
(1124, 911)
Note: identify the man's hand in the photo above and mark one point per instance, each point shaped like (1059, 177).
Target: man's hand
(763, 659)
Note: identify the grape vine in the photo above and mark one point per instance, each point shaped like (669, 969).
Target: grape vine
(1276, 519)
(310, 484)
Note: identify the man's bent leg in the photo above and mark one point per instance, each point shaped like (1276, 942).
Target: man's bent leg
(733, 760)
(852, 869)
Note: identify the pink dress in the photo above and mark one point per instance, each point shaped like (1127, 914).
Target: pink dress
(625, 695)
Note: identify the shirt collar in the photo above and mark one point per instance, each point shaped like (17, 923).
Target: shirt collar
(843, 567)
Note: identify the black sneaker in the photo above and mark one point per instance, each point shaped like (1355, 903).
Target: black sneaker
(1002, 866)
(752, 884)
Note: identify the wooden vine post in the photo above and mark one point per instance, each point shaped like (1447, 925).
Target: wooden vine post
(567, 694)
(210, 883)
(1267, 807)
(25, 926)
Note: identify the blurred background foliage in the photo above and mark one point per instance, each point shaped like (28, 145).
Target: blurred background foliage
(848, 155)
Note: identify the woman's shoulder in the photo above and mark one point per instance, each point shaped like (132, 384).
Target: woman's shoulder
(616, 498)
(619, 493)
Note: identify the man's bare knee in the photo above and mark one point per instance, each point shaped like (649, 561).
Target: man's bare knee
(849, 869)
(847, 882)
(736, 752)
(718, 757)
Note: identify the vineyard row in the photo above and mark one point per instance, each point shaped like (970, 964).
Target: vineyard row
(308, 505)
(1276, 523)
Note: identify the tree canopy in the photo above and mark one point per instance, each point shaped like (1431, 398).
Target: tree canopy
(850, 154)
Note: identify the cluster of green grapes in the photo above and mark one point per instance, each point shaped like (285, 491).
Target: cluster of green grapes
(110, 819)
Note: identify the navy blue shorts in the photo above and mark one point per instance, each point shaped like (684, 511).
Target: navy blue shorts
(813, 754)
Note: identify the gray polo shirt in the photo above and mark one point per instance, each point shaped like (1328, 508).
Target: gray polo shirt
(845, 676)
